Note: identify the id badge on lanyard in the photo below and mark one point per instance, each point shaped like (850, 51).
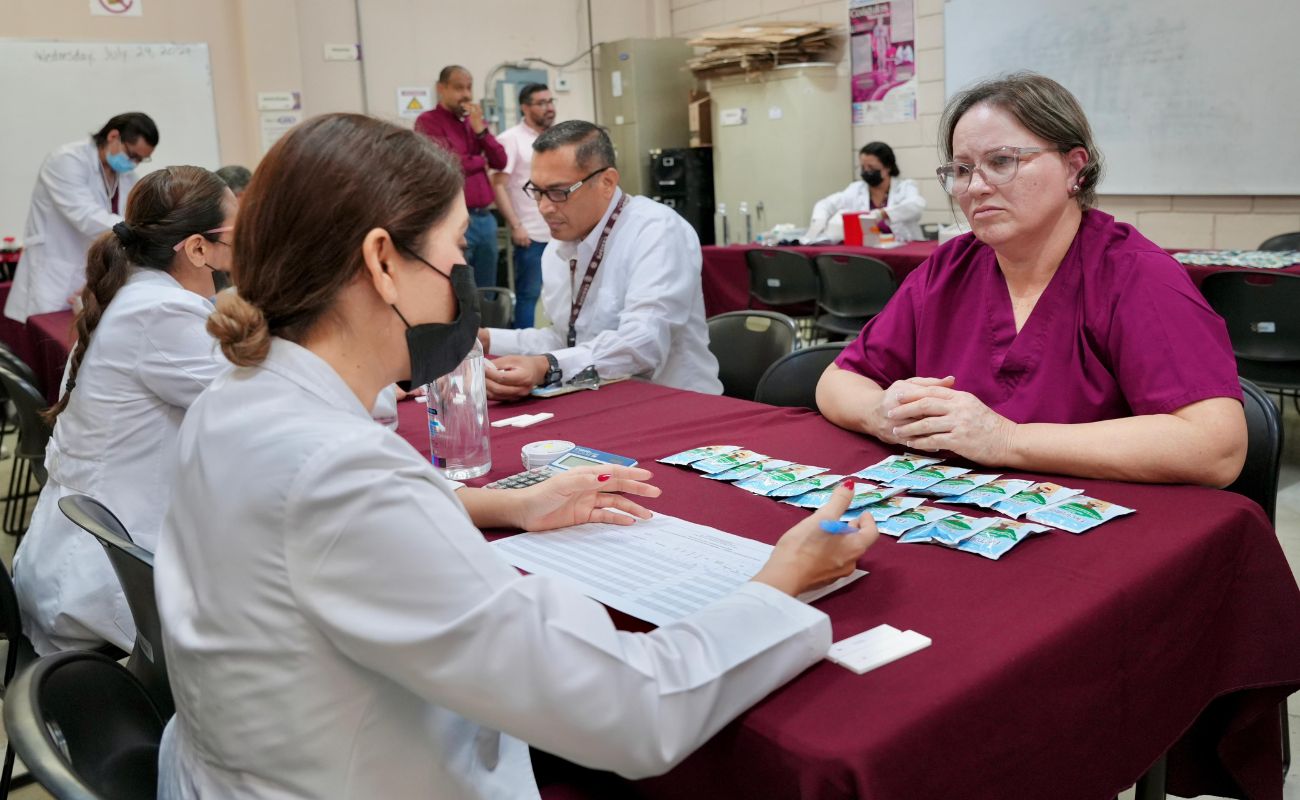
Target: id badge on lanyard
(580, 298)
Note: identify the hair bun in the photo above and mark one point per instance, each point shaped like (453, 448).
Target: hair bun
(241, 330)
(125, 234)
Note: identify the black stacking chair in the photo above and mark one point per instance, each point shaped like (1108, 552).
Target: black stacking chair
(85, 727)
(18, 654)
(745, 344)
(784, 278)
(792, 379)
(134, 567)
(29, 451)
(1283, 241)
(496, 307)
(1257, 481)
(1263, 324)
(853, 290)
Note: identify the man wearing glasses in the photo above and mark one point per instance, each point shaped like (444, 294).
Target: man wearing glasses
(528, 230)
(458, 126)
(80, 193)
(620, 280)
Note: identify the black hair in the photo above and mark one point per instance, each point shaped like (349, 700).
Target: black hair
(130, 126)
(451, 69)
(883, 152)
(235, 176)
(530, 89)
(594, 149)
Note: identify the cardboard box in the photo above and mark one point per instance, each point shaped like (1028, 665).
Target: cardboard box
(700, 114)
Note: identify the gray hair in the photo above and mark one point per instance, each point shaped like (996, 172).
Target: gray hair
(594, 149)
(1045, 108)
(235, 176)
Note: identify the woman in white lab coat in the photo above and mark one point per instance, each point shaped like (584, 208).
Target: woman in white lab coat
(142, 356)
(334, 622)
(79, 194)
(895, 203)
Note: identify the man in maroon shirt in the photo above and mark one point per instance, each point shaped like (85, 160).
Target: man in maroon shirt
(457, 124)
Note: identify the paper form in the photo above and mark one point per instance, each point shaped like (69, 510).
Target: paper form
(659, 570)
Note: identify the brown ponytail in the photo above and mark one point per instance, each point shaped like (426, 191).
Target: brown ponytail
(164, 208)
(316, 194)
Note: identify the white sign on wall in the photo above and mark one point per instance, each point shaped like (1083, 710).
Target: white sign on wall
(412, 101)
(276, 124)
(115, 8)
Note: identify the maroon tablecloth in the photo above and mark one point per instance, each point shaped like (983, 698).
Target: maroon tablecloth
(49, 338)
(1063, 670)
(725, 275)
(13, 334)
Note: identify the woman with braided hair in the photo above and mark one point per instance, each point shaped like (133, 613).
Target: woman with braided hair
(142, 356)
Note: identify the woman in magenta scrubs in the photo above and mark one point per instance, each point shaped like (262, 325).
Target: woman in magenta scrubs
(1052, 338)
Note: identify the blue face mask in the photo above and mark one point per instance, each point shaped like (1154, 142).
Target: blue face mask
(120, 162)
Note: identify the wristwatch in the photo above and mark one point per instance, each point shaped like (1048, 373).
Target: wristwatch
(553, 374)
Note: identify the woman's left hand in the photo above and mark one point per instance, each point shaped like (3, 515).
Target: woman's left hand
(585, 494)
(956, 421)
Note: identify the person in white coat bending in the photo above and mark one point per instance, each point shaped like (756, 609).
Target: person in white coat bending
(335, 624)
(80, 193)
(142, 356)
(894, 204)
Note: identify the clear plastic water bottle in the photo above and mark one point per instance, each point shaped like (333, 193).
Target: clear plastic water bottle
(458, 420)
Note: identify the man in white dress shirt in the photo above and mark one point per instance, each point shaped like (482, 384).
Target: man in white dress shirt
(620, 280)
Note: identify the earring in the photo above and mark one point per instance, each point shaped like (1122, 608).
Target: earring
(1074, 188)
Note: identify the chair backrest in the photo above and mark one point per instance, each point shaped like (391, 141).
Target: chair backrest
(33, 433)
(11, 627)
(85, 727)
(17, 366)
(1283, 241)
(780, 277)
(496, 306)
(854, 286)
(134, 567)
(745, 344)
(792, 380)
(1259, 476)
(1261, 312)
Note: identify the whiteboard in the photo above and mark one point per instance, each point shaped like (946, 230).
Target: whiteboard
(58, 92)
(1184, 96)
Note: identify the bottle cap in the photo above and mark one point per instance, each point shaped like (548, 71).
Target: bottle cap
(539, 454)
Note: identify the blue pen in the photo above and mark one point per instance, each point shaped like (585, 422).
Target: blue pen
(836, 527)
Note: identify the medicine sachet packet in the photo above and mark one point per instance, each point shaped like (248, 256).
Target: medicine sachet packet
(697, 454)
(826, 480)
(1078, 514)
(894, 467)
(952, 487)
(927, 476)
(1036, 497)
(727, 461)
(994, 541)
(889, 507)
(908, 520)
(992, 492)
(767, 482)
(748, 470)
(868, 494)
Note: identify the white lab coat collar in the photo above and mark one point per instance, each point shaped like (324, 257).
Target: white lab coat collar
(303, 368)
(586, 248)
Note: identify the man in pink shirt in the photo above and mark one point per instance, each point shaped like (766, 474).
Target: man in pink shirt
(528, 230)
(457, 124)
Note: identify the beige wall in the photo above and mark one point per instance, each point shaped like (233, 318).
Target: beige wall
(1182, 221)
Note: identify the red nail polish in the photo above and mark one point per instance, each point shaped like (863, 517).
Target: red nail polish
(603, 478)
(848, 482)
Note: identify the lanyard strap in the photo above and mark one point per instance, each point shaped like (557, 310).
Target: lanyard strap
(580, 298)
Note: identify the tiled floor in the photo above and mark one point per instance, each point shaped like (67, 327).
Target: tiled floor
(1288, 531)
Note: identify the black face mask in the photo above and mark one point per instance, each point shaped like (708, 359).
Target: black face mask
(872, 177)
(435, 348)
(220, 280)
